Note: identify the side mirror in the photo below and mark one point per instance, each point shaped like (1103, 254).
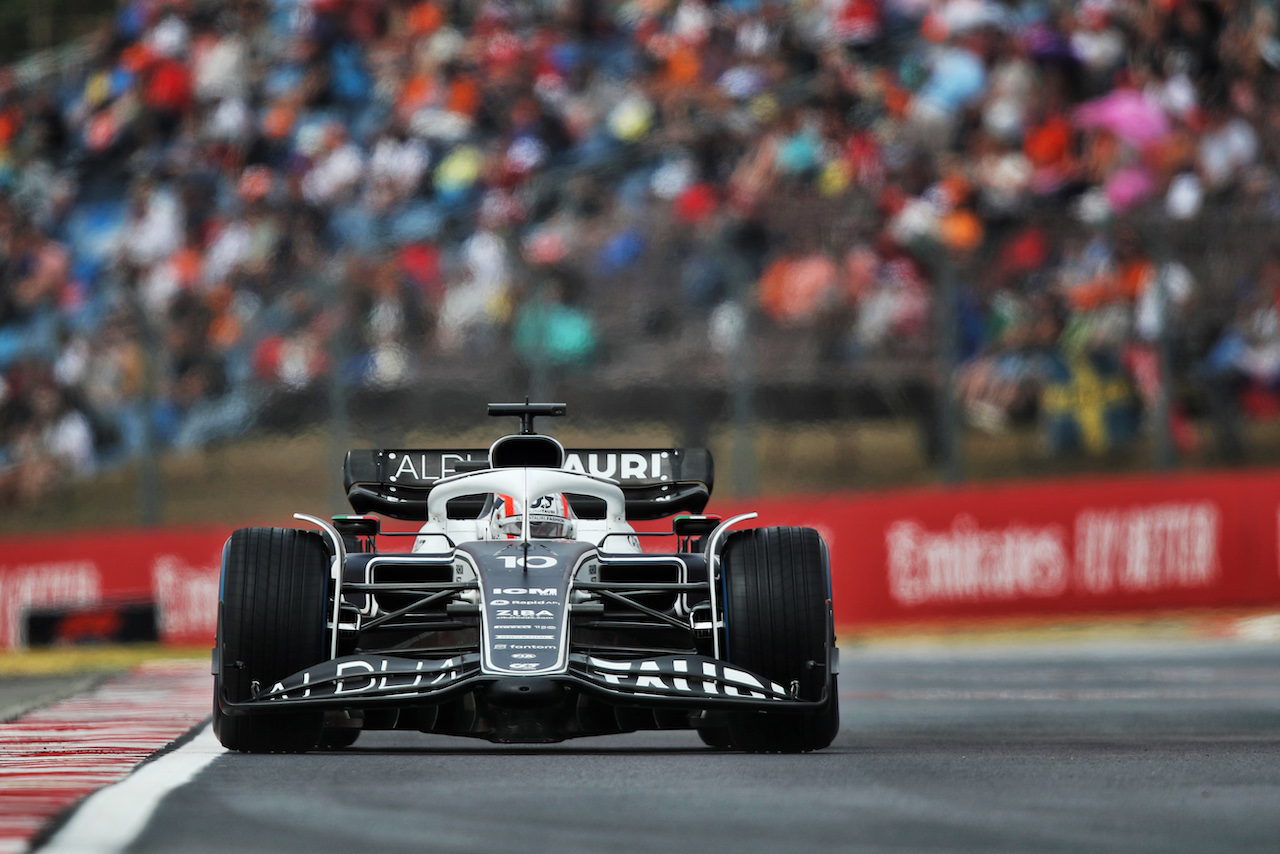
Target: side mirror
(358, 526)
(691, 529)
(694, 526)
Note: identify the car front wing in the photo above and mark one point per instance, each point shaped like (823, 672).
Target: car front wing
(369, 680)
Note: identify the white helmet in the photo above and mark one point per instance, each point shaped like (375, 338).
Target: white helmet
(550, 517)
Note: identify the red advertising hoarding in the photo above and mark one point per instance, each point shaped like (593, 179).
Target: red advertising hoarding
(177, 570)
(1048, 549)
(1066, 547)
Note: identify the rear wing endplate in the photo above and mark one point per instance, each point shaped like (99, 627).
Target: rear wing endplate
(656, 482)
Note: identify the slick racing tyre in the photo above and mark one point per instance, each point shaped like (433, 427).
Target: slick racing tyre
(713, 729)
(777, 624)
(341, 729)
(338, 739)
(271, 624)
(715, 736)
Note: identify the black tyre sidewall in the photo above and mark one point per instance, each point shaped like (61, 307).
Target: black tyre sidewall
(716, 737)
(777, 586)
(272, 619)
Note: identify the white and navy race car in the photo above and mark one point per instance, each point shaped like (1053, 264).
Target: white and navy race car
(524, 608)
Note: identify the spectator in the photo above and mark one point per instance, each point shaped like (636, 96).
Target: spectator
(551, 334)
(181, 195)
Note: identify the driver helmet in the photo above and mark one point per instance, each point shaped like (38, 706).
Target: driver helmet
(550, 517)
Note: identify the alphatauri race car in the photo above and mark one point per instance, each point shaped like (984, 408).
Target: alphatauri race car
(525, 608)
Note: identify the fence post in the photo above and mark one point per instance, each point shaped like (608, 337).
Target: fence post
(948, 316)
(1166, 458)
(339, 416)
(150, 481)
(741, 368)
(742, 379)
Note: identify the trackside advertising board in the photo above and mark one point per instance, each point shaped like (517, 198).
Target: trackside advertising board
(1068, 547)
(97, 578)
(1062, 548)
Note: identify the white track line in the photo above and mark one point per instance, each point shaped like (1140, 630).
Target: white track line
(110, 819)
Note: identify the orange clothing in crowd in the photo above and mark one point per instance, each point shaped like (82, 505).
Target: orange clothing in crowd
(424, 19)
(416, 94)
(1122, 285)
(684, 66)
(464, 97)
(794, 289)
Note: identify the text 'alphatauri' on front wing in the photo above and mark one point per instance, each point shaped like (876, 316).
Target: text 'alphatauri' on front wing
(524, 609)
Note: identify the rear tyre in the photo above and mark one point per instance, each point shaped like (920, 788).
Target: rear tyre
(271, 624)
(778, 625)
(341, 729)
(715, 736)
(338, 739)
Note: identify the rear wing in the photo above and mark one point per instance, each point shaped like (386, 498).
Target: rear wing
(656, 482)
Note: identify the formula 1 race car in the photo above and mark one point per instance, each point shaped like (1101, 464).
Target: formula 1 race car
(526, 609)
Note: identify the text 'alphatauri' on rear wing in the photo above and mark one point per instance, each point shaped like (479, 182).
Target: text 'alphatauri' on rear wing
(656, 483)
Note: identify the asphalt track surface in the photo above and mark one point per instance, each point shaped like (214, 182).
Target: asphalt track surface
(20, 694)
(1100, 748)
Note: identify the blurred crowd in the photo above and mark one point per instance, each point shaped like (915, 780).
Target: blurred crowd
(222, 201)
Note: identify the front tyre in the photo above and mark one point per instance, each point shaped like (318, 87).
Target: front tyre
(778, 624)
(271, 624)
